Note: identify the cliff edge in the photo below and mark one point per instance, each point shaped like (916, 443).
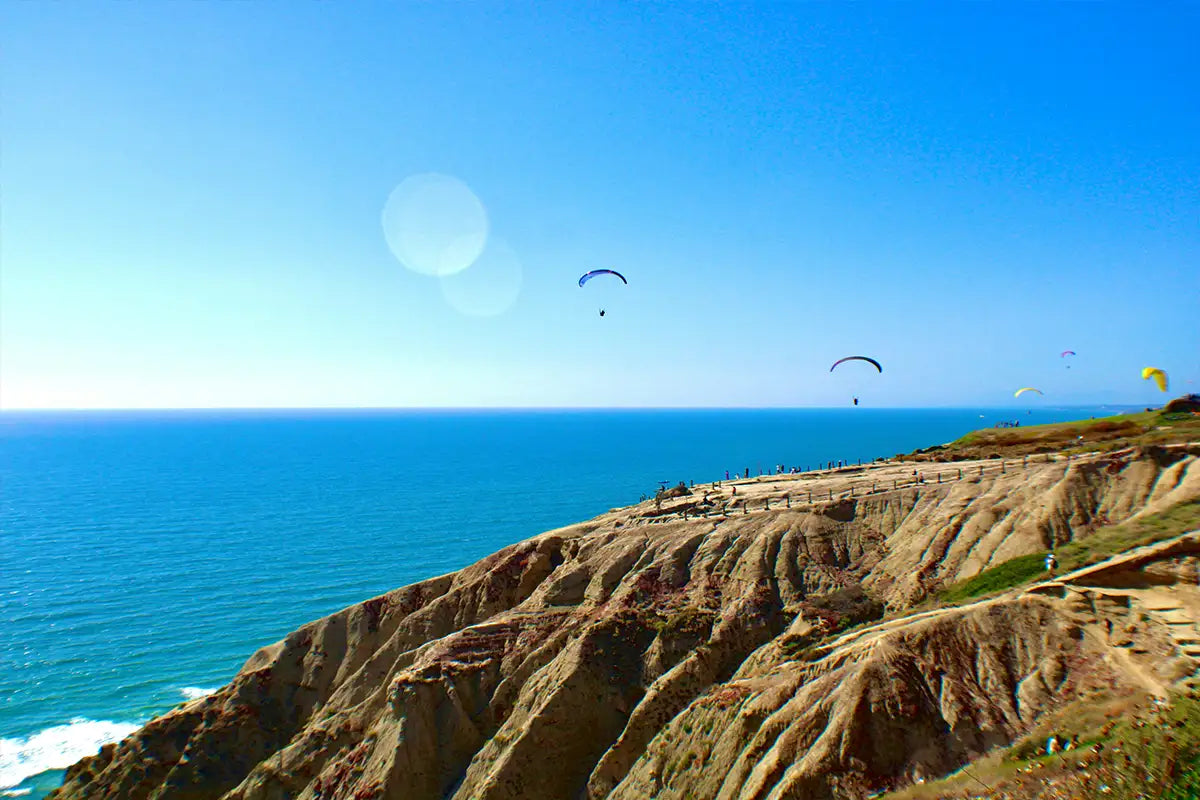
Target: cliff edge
(779, 637)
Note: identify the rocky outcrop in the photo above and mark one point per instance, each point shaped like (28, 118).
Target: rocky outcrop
(687, 648)
(1188, 403)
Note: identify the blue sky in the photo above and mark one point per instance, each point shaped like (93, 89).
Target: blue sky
(193, 192)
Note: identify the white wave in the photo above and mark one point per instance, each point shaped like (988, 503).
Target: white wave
(56, 748)
(195, 692)
(15, 792)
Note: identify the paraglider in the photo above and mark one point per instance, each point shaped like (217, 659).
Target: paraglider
(1158, 375)
(871, 361)
(1025, 389)
(857, 358)
(587, 276)
(1066, 353)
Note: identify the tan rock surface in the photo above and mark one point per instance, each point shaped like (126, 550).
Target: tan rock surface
(683, 650)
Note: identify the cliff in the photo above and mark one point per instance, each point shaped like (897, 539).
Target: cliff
(783, 641)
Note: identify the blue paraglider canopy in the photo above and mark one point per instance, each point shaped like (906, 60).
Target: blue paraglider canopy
(589, 275)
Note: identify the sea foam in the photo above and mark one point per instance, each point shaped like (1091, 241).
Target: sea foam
(196, 692)
(57, 747)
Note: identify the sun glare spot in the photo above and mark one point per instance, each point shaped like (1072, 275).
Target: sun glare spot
(490, 286)
(434, 224)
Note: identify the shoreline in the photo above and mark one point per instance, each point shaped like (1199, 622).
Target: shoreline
(775, 489)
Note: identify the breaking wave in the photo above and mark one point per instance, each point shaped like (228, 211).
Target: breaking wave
(57, 747)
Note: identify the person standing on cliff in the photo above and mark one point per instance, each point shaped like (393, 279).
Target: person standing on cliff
(1051, 562)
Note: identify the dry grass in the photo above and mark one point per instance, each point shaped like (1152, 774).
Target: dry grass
(1108, 541)
(1152, 752)
(1107, 433)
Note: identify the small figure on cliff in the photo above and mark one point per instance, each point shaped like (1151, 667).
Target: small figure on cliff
(1051, 562)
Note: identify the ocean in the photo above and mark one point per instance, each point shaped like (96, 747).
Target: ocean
(144, 556)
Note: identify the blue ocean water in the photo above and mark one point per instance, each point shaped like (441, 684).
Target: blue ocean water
(145, 555)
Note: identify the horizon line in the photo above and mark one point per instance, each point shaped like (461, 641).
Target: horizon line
(134, 409)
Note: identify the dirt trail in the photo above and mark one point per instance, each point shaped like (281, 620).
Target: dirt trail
(1177, 608)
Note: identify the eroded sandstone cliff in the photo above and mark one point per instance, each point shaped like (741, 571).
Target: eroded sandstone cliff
(689, 648)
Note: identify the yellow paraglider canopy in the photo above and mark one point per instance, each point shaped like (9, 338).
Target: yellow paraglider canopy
(1159, 376)
(1020, 392)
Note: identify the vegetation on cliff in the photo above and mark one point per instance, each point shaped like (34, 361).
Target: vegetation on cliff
(1102, 544)
(1142, 429)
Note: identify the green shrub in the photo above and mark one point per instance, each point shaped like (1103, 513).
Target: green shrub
(1011, 573)
(1102, 544)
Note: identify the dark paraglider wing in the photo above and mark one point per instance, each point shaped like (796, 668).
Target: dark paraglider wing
(856, 358)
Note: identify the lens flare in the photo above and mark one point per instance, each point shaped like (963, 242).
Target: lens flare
(490, 286)
(434, 224)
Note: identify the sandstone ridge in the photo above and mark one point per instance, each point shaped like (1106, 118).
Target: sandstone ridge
(714, 644)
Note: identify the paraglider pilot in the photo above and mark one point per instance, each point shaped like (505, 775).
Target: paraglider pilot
(587, 276)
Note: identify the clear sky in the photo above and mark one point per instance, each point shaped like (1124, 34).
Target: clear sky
(194, 194)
